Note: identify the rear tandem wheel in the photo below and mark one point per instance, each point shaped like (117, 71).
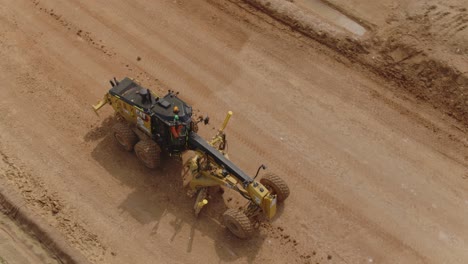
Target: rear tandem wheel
(149, 153)
(238, 223)
(124, 136)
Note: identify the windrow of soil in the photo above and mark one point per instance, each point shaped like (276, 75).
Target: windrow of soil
(395, 54)
(12, 205)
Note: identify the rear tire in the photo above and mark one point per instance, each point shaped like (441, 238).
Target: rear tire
(238, 223)
(276, 185)
(124, 136)
(149, 153)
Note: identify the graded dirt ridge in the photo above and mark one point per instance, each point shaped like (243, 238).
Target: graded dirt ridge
(33, 240)
(421, 46)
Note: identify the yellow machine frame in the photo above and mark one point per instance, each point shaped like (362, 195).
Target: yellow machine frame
(207, 173)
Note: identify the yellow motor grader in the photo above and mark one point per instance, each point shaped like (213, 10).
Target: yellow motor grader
(151, 125)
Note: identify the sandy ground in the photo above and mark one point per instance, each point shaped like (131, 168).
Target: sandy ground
(418, 46)
(16, 247)
(439, 27)
(414, 32)
(376, 177)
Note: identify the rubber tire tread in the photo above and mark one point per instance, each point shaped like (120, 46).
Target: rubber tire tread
(236, 217)
(152, 152)
(128, 137)
(279, 186)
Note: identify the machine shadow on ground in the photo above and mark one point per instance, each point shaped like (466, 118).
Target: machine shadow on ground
(158, 194)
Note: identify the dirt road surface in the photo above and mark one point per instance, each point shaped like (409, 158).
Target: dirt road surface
(375, 176)
(17, 247)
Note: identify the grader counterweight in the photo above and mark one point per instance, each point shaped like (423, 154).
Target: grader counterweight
(151, 126)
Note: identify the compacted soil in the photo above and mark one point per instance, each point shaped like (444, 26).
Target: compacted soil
(376, 174)
(17, 247)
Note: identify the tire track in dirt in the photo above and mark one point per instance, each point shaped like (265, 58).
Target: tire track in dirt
(98, 44)
(85, 35)
(327, 199)
(414, 55)
(427, 77)
(163, 58)
(167, 64)
(220, 66)
(448, 22)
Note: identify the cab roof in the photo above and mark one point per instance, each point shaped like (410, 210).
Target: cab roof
(163, 108)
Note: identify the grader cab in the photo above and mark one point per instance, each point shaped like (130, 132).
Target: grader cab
(151, 125)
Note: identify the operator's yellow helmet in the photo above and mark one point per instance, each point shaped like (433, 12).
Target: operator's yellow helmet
(176, 109)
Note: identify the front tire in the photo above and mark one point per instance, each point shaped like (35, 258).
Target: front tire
(124, 136)
(276, 185)
(149, 153)
(238, 223)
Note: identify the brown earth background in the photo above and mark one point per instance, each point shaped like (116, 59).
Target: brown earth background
(369, 130)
